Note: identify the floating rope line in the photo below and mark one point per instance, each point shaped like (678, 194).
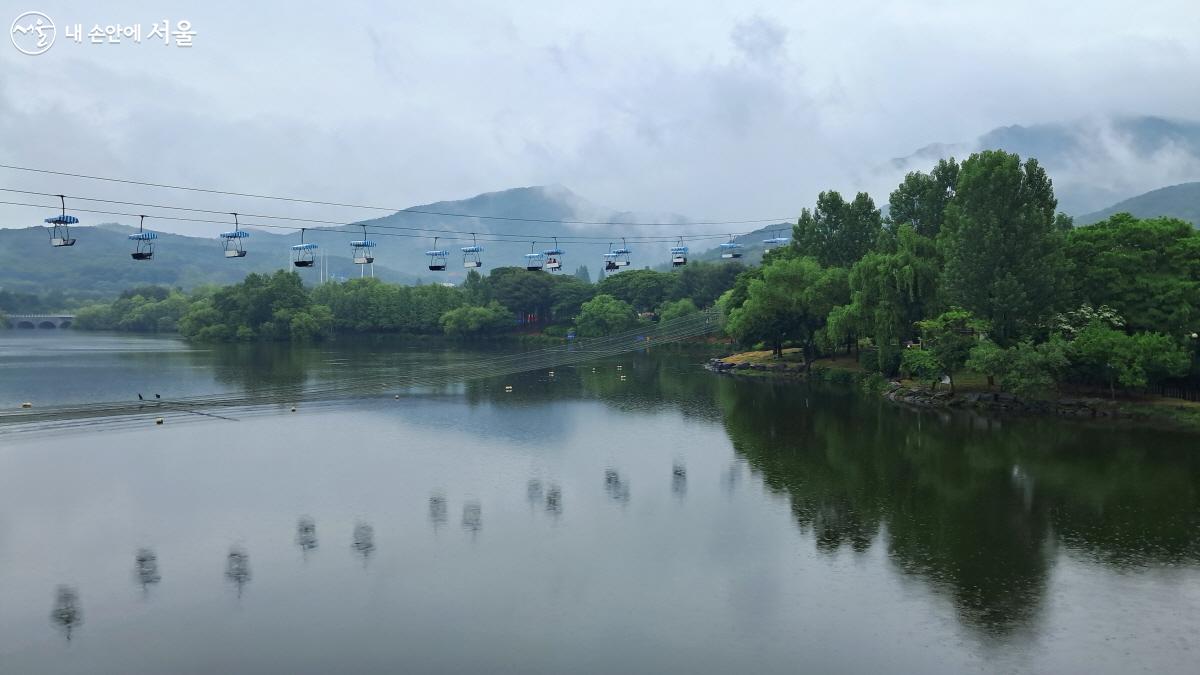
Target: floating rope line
(420, 376)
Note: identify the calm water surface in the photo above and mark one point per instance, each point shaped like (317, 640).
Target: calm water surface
(670, 521)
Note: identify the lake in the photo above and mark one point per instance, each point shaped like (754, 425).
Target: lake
(636, 514)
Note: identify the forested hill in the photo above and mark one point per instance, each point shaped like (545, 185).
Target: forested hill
(1177, 201)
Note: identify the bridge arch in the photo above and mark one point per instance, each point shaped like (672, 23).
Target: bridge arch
(65, 323)
(25, 324)
(47, 324)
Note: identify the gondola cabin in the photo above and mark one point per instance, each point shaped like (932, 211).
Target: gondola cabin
(553, 263)
(774, 242)
(679, 256)
(143, 246)
(232, 243)
(437, 260)
(364, 253)
(471, 257)
(533, 262)
(60, 233)
(731, 250)
(304, 255)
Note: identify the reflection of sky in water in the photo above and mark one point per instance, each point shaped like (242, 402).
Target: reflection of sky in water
(494, 532)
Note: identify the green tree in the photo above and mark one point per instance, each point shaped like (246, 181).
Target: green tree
(603, 315)
(677, 309)
(643, 289)
(1147, 270)
(1101, 354)
(837, 233)
(582, 274)
(789, 303)
(1002, 251)
(949, 338)
(921, 199)
(469, 322)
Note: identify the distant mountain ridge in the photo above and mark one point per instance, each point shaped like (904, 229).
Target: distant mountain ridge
(1093, 162)
(1177, 201)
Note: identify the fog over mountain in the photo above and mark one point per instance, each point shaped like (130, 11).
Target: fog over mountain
(1094, 162)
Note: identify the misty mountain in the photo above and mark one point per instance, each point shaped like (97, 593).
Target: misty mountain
(1093, 162)
(1176, 201)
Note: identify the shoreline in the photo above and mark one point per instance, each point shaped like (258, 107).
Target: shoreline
(1160, 412)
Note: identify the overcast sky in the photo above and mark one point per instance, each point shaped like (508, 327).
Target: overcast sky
(711, 109)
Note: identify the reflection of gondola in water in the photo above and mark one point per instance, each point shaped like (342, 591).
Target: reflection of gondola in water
(438, 511)
(679, 478)
(146, 568)
(534, 491)
(364, 540)
(472, 518)
(306, 535)
(554, 500)
(615, 486)
(66, 613)
(237, 568)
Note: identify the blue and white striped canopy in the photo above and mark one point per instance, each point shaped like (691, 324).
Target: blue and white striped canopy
(679, 249)
(534, 256)
(144, 236)
(363, 243)
(437, 254)
(622, 251)
(62, 220)
(731, 245)
(304, 247)
(610, 254)
(776, 240)
(472, 249)
(553, 251)
(236, 234)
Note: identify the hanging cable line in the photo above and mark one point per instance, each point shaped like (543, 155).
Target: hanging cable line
(317, 202)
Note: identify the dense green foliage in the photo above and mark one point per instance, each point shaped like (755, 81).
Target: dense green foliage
(510, 299)
(605, 314)
(975, 271)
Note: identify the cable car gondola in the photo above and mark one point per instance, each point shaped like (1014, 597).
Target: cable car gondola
(363, 255)
(777, 240)
(731, 249)
(471, 259)
(144, 248)
(616, 259)
(679, 254)
(302, 253)
(533, 260)
(232, 241)
(60, 233)
(552, 257)
(437, 258)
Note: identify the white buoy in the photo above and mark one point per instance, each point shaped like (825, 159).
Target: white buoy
(508, 388)
(293, 408)
(26, 404)
(158, 421)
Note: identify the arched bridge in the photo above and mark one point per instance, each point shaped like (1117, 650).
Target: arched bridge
(40, 320)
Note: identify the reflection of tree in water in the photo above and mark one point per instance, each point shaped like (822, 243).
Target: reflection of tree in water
(145, 569)
(472, 517)
(66, 615)
(306, 535)
(263, 366)
(974, 509)
(615, 486)
(439, 512)
(237, 568)
(364, 540)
